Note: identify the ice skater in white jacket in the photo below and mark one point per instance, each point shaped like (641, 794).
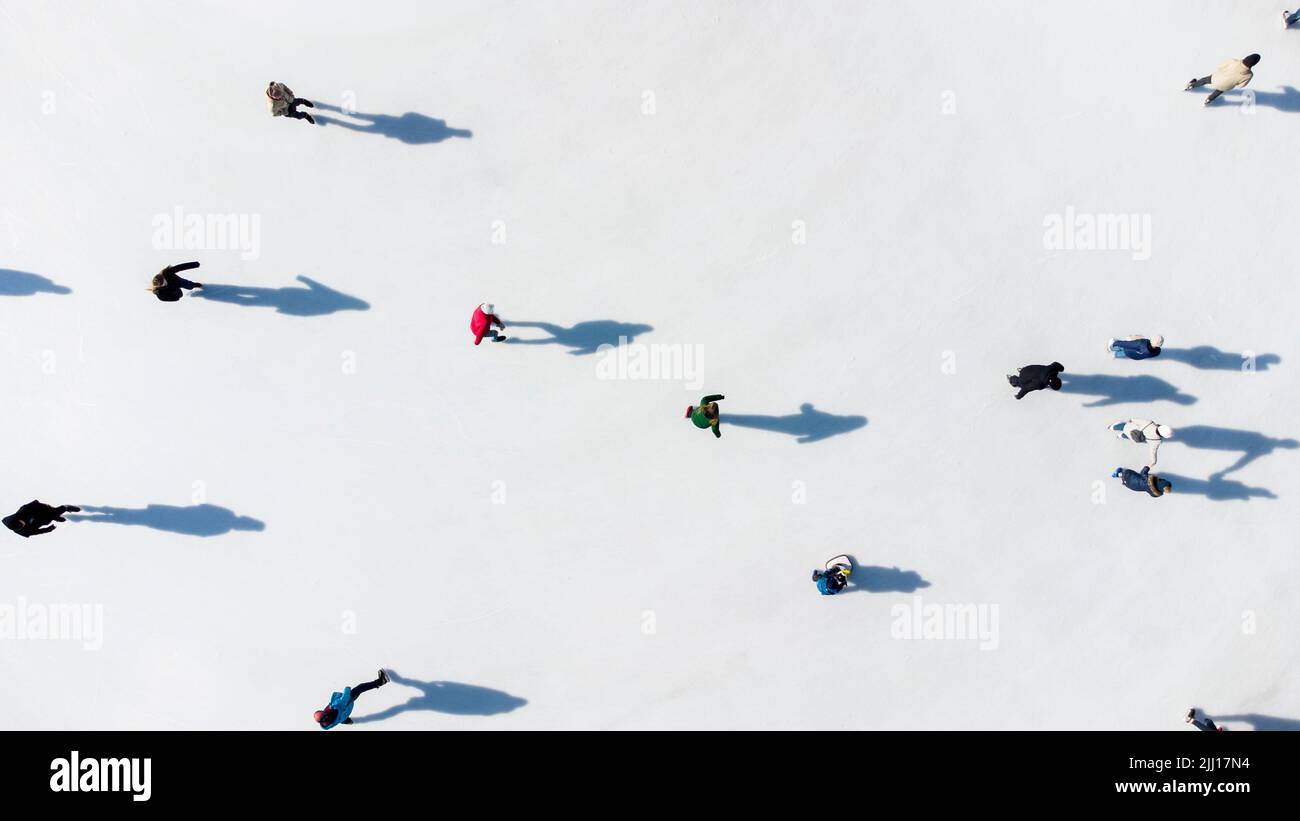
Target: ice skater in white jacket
(280, 99)
(1230, 75)
(1143, 430)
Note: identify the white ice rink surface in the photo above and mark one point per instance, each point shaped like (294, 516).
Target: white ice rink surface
(540, 547)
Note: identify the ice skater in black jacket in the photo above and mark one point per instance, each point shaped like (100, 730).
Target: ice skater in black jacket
(169, 287)
(34, 518)
(1036, 377)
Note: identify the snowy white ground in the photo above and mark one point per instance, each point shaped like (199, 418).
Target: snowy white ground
(503, 518)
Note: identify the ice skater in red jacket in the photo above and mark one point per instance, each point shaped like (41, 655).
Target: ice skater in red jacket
(485, 316)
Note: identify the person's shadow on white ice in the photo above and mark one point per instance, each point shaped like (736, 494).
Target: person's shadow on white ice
(584, 338)
(314, 300)
(450, 697)
(195, 520)
(410, 128)
(21, 283)
(808, 425)
(1288, 99)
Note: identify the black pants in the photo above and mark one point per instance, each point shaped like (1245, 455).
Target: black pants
(1205, 81)
(300, 115)
(361, 688)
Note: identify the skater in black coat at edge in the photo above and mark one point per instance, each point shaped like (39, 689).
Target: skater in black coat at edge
(1036, 377)
(34, 518)
(169, 287)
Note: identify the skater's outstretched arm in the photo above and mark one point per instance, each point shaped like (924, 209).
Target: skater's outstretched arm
(39, 531)
(184, 266)
(1021, 394)
(714, 398)
(717, 429)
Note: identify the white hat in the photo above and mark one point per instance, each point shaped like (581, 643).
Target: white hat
(1157, 341)
(488, 308)
(1165, 432)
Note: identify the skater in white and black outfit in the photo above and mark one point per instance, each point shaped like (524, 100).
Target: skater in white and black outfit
(1143, 430)
(1232, 74)
(1290, 18)
(283, 104)
(169, 287)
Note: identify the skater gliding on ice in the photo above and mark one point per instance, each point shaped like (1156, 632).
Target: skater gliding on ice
(1144, 481)
(485, 316)
(35, 518)
(1036, 377)
(280, 99)
(1290, 18)
(1232, 74)
(339, 710)
(706, 414)
(169, 287)
(1143, 430)
(1205, 725)
(1136, 347)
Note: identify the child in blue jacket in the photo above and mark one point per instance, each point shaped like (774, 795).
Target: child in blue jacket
(1143, 482)
(339, 710)
(833, 579)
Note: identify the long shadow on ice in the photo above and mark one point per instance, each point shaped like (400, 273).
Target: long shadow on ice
(1251, 444)
(1262, 722)
(1288, 99)
(448, 697)
(196, 520)
(808, 425)
(314, 300)
(21, 283)
(583, 338)
(1210, 358)
(1217, 489)
(873, 579)
(1116, 390)
(409, 128)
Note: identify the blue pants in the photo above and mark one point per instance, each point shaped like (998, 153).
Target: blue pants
(1133, 349)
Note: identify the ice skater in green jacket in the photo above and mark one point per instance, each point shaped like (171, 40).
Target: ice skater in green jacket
(705, 415)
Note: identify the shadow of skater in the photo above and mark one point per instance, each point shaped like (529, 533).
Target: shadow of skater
(21, 283)
(314, 300)
(809, 424)
(409, 128)
(874, 579)
(1216, 489)
(196, 520)
(1288, 99)
(1210, 358)
(584, 338)
(1251, 444)
(448, 697)
(1264, 723)
(1116, 390)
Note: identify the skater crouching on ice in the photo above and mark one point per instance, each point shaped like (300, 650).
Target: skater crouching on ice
(1232, 74)
(1136, 347)
(1143, 430)
(480, 324)
(833, 578)
(169, 287)
(1144, 481)
(339, 710)
(34, 518)
(1036, 377)
(707, 415)
(280, 99)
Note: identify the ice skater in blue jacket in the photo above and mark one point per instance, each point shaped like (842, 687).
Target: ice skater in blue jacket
(339, 710)
(1144, 481)
(1137, 347)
